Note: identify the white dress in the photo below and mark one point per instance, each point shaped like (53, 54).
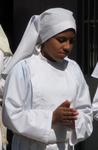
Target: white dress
(95, 105)
(4, 60)
(95, 99)
(1, 90)
(34, 89)
(5, 57)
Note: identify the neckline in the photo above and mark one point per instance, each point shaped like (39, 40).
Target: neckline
(58, 65)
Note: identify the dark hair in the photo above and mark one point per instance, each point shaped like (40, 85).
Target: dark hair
(70, 29)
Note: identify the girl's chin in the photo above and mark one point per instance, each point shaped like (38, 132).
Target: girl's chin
(60, 59)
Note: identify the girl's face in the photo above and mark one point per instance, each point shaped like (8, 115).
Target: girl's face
(59, 46)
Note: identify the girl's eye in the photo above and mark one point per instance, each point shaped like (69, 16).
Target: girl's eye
(64, 39)
(72, 40)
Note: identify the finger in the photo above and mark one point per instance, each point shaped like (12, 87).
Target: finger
(69, 111)
(69, 123)
(69, 118)
(74, 110)
(65, 104)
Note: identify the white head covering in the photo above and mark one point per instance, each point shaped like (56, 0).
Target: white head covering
(40, 28)
(4, 44)
(95, 72)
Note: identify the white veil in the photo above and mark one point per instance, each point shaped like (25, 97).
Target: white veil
(39, 29)
(4, 44)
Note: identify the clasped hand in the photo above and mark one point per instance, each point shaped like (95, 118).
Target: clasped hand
(65, 115)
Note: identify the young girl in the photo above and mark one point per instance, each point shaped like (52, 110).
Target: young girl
(46, 99)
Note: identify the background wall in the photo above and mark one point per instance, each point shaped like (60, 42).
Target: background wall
(15, 14)
(6, 19)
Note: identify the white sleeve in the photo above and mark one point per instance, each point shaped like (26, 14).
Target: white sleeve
(18, 114)
(1, 61)
(1, 69)
(95, 105)
(83, 125)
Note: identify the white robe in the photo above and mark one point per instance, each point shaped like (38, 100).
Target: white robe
(5, 54)
(4, 60)
(1, 93)
(34, 89)
(1, 69)
(95, 105)
(95, 99)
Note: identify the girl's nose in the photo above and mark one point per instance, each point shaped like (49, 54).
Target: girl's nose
(67, 45)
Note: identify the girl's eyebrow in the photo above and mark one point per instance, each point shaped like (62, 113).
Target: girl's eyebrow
(62, 39)
(64, 36)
